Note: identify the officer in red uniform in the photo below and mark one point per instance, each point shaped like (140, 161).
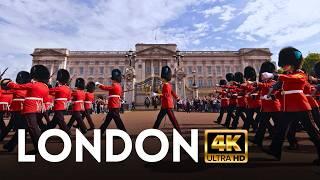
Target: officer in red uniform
(78, 97)
(231, 90)
(16, 120)
(295, 103)
(253, 100)
(37, 89)
(167, 96)
(241, 100)
(223, 99)
(271, 107)
(316, 92)
(88, 103)
(62, 96)
(114, 104)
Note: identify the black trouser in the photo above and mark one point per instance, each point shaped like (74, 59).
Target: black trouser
(19, 123)
(316, 116)
(40, 122)
(58, 119)
(264, 124)
(76, 116)
(114, 113)
(172, 118)
(222, 111)
(291, 117)
(86, 114)
(250, 121)
(230, 115)
(10, 125)
(2, 124)
(32, 120)
(239, 113)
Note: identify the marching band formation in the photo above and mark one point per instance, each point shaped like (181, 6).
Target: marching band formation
(280, 103)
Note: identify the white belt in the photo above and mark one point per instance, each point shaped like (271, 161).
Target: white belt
(78, 101)
(5, 105)
(40, 106)
(88, 102)
(61, 99)
(34, 98)
(114, 96)
(225, 98)
(308, 95)
(291, 92)
(18, 99)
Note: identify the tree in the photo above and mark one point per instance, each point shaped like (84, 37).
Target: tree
(310, 61)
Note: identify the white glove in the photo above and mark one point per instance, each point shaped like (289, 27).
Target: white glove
(97, 83)
(266, 75)
(266, 97)
(153, 94)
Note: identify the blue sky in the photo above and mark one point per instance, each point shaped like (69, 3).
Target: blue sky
(120, 24)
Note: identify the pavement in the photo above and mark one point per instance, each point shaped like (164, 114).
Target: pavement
(293, 165)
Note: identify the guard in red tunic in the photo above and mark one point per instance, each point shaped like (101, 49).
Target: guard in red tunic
(114, 104)
(241, 100)
(16, 120)
(231, 94)
(88, 104)
(62, 96)
(253, 100)
(167, 96)
(37, 89)
(316, 93)
(78, 98)
(270, 107)
(295, 103)
(224, 100)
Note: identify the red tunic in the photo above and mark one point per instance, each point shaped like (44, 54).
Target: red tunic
(223, 97)
(233, 95)
(272, 105)
(62, 95)
(88, 101)
(5, 100)
(18, 100)
(294, 100)
(166, 97)
(308, 90)
(36, 92)
(115, 93)
(241, 99)
(253, 100)
(78, 97)
(48, 102)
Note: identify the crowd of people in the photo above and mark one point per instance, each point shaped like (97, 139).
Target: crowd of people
(282, 103)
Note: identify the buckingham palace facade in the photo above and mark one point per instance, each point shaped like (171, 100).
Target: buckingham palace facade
(194, 71)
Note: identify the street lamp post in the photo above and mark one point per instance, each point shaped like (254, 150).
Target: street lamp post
(194, 86)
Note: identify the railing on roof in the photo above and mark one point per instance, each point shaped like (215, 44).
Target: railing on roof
(98, 52)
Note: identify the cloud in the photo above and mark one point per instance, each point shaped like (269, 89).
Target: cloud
(225, 12)
(280, 22)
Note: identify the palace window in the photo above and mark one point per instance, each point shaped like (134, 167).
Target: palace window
(218, 70)
(101, 70)
(81, 70)
(71, 70)
(91, 69)
(199, 69)
(228, 69)
(121, 69)
(190, 82)
(190, 69)
(200, 83)
(209, 70)
(210, 82)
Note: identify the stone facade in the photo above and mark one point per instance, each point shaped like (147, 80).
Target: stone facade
(206, 67)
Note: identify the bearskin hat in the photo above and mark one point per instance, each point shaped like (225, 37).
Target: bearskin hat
(223, 82)
(230, 77)
(40, 73)
(250, 73)
(290, 56)
(4, 85)
(23, 77)
(63, 76)
(316, 69)
(238, 77)
(267, 67)
(166, 73)
(91, 87)
(80, 83)
(116, 75)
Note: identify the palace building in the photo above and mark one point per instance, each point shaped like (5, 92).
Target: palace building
(196, 73)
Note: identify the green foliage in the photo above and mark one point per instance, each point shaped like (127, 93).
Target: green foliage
(310, 61)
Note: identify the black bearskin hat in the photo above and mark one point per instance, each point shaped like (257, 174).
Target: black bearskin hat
(116, 75)
(40, 73)
(23, 77)
(4, 86)
(223, 82)
(80, 83)
(267, 67)
(317, 69)
(63, 76)
(91, 87)
(250, 73)
(166, 73)
(230, 77)
(290, 56)
(238, 77)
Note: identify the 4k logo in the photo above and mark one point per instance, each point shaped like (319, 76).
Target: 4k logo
(226, 146)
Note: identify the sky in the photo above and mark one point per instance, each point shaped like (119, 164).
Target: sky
(120, 24)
